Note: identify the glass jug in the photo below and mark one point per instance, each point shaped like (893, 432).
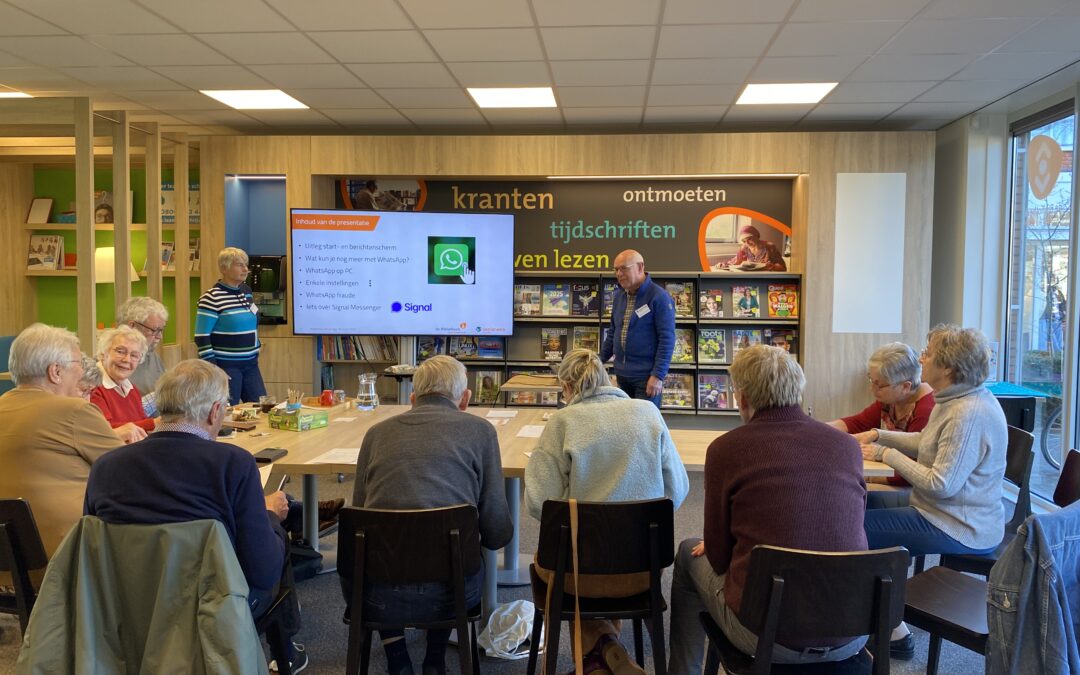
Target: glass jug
(366, 398)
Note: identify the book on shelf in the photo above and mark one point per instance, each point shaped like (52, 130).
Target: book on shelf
(785, 338)
(168, 250)
(103, 206)
(490, 348)
(584, 300)
(744, 301)
(531, 397)
(742, 338)
(711, 303)
(682, 292)
(783, 301)
(487, 386)
(713, 391)
(463, 346)
(556, 300)
(194, 256)
(46, 252)
(712, 345)
(526, 299)
(39, 211)
(609, 297)
(553, 343)
(684, 346)
(678, 391)
(429, 345)
(586, 337)
(378, 348)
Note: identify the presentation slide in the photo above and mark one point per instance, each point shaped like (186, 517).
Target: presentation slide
(402, 273)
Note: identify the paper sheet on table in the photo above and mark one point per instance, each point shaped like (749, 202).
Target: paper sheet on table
(498, 421)
(502, 413)
(264, 473)
(337, 456)
(531, 431)
(343, 419)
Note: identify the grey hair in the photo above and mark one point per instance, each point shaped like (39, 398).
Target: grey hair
(122, 332)
(91, 373)
(188, 390)
(767, 377)
(583, 371)
(441, 374)
(964, 351)
(897, 363)
(228, 256)
(36, 348)
(140, 309)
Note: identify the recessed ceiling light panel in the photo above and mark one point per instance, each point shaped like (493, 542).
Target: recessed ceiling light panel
(255, 99)
(779, 94)
(11, 93)
(513, 97)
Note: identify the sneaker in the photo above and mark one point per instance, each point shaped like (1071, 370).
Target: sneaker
(902, 649)
(299, 662)
(616, 657)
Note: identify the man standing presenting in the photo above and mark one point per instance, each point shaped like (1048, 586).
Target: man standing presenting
(148, 316)
(642, 334)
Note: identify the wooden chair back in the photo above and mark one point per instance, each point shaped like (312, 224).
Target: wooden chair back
(21, 551)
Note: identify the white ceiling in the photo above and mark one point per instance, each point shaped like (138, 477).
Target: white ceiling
(616, 65)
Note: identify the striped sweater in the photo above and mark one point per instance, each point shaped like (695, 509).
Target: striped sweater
(225, 327)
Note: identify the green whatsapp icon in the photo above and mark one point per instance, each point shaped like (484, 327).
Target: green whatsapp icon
(451, 259)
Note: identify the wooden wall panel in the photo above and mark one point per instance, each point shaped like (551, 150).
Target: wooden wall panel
(18, 302)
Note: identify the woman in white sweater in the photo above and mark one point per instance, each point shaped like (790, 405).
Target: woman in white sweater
(603, 446)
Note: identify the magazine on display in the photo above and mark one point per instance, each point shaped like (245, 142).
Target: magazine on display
(584, 300)
(487, 386)
(712, 345)
(741, 339)
(553, 343)
(785, 338)
(713, 391)
(490, 347)
(682, 292)
(783, 301)
(463, 346)
(684, 346)
(429, 345)
(609, 297)
(46, 252)
(556, 300)
(586, 337)
(711, 303)
(678, 391)
(526, 299)
(744, 302)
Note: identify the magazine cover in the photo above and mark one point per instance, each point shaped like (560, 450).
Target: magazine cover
(429, 345)
(741, 339)
(684, 346)
(713, 391)
(553, 343)
(584, 300)
(678, 391)
(526, 299)
(711, 303)
(783, 301)
(744, 301)
(522, 397)
(682, 292)
(785, 338)
(487, 386)
(463, 346)
(712, 345)
(556, 300)
(46, 252)
(489, 347)
(609, 296)
(586, 337)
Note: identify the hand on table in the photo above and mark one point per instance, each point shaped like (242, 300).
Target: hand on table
(130, 432)
(277, 504)
(654, 386)
(872, 451)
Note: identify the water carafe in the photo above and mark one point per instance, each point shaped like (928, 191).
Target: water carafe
(366, 398)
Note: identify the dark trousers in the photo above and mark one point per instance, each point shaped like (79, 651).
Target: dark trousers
(637, 389)
(245, 380)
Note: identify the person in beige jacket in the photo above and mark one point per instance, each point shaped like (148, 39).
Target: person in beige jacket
(50, 435)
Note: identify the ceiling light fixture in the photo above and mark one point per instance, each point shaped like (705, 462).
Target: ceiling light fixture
(255, 99)
(513, 97)
(14, 94)
(781, 94)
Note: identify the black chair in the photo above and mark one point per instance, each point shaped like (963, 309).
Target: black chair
(21, 551)
(1018, 461)
(949, 605)
(283, 610)
(1068, 485)
(613, 538)
(1019, 411)
(406, 547)
(792, 596)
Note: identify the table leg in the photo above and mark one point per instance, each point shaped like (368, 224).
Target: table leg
(311, 510)
(510, 574)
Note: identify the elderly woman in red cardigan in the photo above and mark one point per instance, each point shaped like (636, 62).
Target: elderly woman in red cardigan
(120, 351)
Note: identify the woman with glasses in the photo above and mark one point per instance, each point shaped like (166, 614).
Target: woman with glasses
(148, 316)
(120, 351)
(902, 402)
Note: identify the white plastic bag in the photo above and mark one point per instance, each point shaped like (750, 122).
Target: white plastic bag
(508, 631)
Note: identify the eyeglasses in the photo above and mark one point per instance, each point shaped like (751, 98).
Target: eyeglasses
(874, 384)
(155, 332)
(623, 268)
(124, 353)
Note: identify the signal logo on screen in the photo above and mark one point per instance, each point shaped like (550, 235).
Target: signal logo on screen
(451, 260)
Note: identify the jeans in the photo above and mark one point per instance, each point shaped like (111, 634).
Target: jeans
(637, 389)
(886, 496)
(245, 380)
(695, 588)
(403, 603)
(906, 527)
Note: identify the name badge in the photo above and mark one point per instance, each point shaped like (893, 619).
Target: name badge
(254, 308)
(642, 311)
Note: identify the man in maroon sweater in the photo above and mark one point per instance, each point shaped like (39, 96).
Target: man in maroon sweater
(782, 479)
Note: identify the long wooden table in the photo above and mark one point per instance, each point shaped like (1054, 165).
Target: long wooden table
(348, 426)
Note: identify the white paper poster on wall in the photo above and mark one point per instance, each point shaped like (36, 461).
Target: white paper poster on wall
(868, 289)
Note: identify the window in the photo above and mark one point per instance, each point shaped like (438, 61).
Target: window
(1040, 230)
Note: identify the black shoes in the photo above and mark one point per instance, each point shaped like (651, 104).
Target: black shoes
(902, 649)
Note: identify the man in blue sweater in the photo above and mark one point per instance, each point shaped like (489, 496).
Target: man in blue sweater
(180, 473)
(642, 334)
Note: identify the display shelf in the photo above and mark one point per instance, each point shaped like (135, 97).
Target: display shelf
(53, 273)
(556, 319)
(70, 227)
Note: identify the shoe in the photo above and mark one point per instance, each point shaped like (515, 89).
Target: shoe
(616, 657)
(593, 664)
(902, 649)
(299, 662)
(328, 509)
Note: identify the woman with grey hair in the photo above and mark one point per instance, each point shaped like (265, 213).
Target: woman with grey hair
(120, 351)
(902, 402)
(602, 447)
(91, 378)
(955, 465)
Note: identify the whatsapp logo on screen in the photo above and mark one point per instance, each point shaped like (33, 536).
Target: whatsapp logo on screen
(451, 260)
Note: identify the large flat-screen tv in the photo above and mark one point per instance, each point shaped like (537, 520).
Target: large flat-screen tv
(401, 273)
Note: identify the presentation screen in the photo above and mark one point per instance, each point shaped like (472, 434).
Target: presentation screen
(402, 273)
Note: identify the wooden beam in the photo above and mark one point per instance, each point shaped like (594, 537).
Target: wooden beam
(182, 231)
(121, 208)
(153, 211)
(84, 224)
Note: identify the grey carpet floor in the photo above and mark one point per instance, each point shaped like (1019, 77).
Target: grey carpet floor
(325, 637)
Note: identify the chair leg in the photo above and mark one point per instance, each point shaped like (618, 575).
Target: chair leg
(639, 644)
(464, 647)
(933, 655)
(920, 564)
(659, 643)
(352, 659)
(365, 652)
(712, 659)
(475, 648)
(534, 642)
(551, 654)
